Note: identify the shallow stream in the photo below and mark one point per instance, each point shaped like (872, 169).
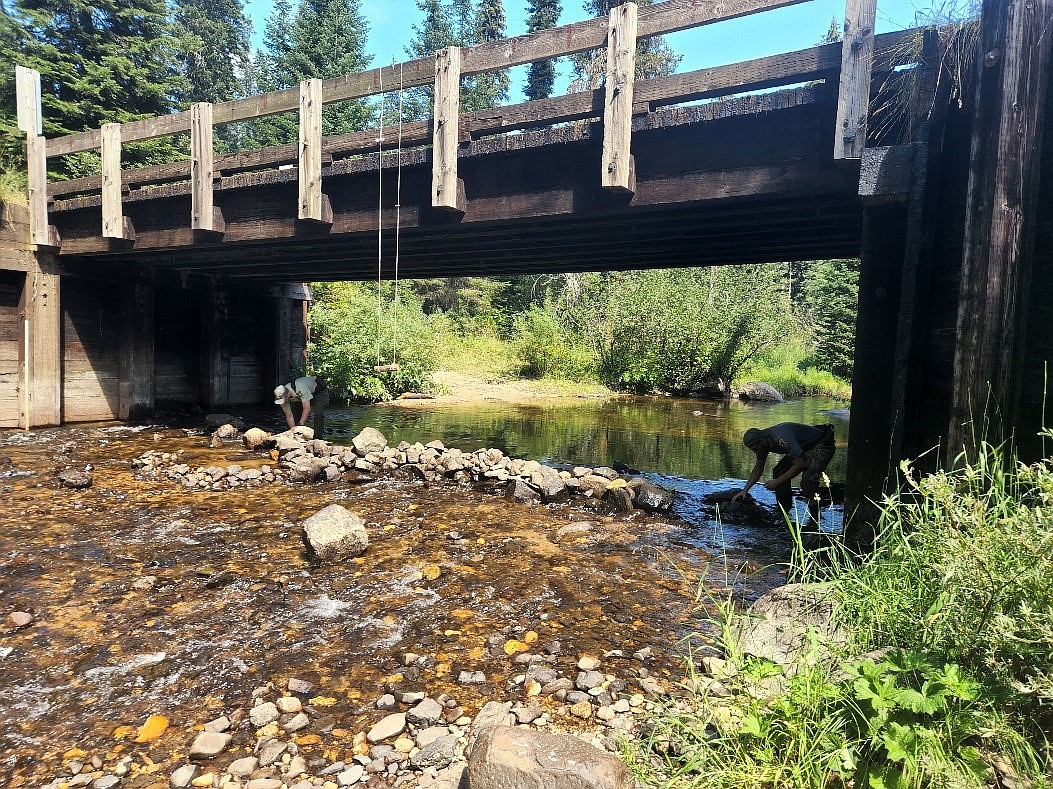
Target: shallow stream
(149, 599)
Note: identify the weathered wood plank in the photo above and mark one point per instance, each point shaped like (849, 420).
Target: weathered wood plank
(1001, 215)
(42, 307)
(112, 212)
(136, 363)
(201, 170)
(658, 19)
(445, 133)
(853, 96)
(618, 102)
(310, 158)
(27, 96)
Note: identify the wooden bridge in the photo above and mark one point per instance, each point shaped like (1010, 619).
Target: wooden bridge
(780, 158)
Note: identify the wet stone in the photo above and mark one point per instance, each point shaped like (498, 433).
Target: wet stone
(587, 680)
(269, 751)
(471, 678)
(183, 776)
(300, 686)
(262, 714)
(288, 704)
(264, 783)
(387, 727)
(18, 619)
(106, 782)
(588, 663)
(209, 743)
(219, 724)
(76, 480)
(387, 702)
(298, 722)
(351, 776)
(242, 768)
(427, 712)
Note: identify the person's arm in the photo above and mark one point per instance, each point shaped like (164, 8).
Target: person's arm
(799, 464)
(288, 415)
(306, 411)
(758, 469)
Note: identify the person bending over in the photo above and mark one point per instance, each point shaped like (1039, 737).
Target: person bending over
(805, 450)
(302, 390)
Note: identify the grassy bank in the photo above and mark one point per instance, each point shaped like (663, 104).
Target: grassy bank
(485, 355)
(945, 677)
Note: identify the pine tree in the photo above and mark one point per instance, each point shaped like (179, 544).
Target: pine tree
(102, 61)
(327, 38)
(12, 148)
(214, 55)
(831, 294)
(541, 76)
(654, 56)
(490, 89)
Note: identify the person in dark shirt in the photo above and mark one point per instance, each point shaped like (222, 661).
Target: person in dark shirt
(805, 450)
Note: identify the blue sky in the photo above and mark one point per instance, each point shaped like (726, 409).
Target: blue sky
(782, 30)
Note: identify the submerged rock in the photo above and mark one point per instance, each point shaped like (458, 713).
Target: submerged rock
(747, 510)
(650, 497)
(76, 480)
(335, 533)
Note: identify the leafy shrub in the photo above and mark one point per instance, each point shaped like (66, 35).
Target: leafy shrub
(546, 350)
(345, 328)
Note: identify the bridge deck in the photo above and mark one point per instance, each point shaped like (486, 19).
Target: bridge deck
(747, 179)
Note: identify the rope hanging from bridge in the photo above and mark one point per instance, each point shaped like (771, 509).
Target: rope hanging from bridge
(380, 367)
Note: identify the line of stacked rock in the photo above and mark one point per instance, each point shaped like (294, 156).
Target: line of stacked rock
(303, 458)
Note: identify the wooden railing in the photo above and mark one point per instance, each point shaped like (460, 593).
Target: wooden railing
(616, 103)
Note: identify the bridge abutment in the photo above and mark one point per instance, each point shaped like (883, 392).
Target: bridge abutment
(95, 345)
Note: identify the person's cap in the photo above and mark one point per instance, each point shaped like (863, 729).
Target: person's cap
(752, 437)
(279, 395)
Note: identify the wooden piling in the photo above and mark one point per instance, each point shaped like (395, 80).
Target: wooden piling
(445, 131)
(618, 105)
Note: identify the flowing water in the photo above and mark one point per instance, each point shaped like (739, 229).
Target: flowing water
(149, 599)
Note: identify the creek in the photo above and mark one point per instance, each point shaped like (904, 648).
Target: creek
(151, 599)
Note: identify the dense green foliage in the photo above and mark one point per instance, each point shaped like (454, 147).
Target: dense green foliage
(541, 76)
(324, 38)
(349, 337)
(677, 330)
(830, 296)
(99, 62)
(654, 56)
(945, 678)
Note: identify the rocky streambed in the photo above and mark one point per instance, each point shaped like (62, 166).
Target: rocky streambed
(171, 597)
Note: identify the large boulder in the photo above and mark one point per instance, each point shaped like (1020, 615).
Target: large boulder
(506, 757)
(518, 490)
(790, 624)
(650, 497)
(758, 391)
(369, 440)
(747, 511)
(307, 469)
(334, 534)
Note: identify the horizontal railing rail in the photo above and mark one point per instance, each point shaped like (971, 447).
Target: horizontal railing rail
(615, 103)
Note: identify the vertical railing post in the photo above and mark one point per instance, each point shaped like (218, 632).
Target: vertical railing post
(203, 215)
(853, 93)
(114, 223)
(444, 192)
(314, 207)
(27, 88)
(618, 105)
